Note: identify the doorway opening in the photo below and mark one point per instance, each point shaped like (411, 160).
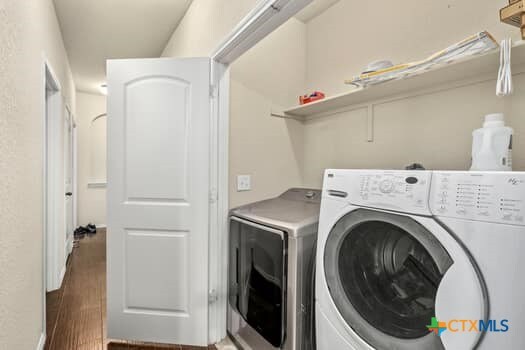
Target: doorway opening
(57, 189)
(52, 189)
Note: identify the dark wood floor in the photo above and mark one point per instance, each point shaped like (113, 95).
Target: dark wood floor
(76, 314)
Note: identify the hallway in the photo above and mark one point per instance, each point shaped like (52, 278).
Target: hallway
(76, 313)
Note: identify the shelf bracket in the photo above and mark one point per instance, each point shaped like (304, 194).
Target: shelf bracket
(370, 123)
(277, 115)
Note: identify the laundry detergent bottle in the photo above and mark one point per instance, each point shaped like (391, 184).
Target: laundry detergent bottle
(492, 145)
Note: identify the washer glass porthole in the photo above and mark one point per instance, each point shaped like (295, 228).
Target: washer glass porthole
(383, 272)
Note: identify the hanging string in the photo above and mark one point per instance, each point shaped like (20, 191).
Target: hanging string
(504, 86)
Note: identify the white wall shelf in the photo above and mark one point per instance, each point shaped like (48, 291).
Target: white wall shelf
(465, 72)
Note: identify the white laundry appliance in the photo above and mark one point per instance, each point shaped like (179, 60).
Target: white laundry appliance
(420, 260)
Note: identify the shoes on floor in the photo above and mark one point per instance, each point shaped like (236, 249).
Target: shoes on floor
(81, 231)
(92, 229)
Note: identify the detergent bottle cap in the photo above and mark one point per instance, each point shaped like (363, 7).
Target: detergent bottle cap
(494, 120)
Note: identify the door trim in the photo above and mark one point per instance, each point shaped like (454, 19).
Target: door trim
(265, 17)
(42, 341)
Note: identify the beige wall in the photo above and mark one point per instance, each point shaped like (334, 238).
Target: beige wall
(27, 29)
(205, 25)
(268, 149)
(433, 129)
(343, 39)
(91, 165)
(269, 76)
(319, 55)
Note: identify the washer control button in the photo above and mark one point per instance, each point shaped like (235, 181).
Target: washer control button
(411, 180)
(386, 186)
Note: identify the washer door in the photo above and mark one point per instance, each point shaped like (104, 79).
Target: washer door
(383, 272)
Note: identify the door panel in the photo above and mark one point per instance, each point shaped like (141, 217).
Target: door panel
(160, 99)
(158, 188)
(169, 294)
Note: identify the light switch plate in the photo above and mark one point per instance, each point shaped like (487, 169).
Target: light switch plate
(244, 183)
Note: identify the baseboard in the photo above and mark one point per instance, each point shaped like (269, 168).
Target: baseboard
(238, 342)
(41, 342)
(61, 277)
(229, 343)
(69, 245)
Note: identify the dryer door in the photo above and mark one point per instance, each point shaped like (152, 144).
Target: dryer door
(383, 272)
(258, 281)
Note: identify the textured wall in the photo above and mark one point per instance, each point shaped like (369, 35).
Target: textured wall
(27, 29)
(91, 201)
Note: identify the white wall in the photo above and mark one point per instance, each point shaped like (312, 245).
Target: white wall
(91, 162)
(27, 29)
(434, 129)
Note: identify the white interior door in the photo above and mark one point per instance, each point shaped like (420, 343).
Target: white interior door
(68, 179)
(158, 190)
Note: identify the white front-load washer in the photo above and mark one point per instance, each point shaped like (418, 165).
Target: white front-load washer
(387, 267)
(485, 212)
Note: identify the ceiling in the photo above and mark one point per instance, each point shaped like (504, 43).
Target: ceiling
(94, 31)
(314, 9)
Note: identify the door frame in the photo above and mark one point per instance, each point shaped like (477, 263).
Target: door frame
(264, 18)
(51, 272)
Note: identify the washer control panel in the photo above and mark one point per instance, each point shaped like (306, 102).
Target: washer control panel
(399, 190)
(483, 196)
(406, 191)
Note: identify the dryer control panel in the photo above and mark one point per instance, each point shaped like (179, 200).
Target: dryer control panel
(399, 190)
(483, 196)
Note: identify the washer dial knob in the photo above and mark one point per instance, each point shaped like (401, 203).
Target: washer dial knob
(386, 186)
